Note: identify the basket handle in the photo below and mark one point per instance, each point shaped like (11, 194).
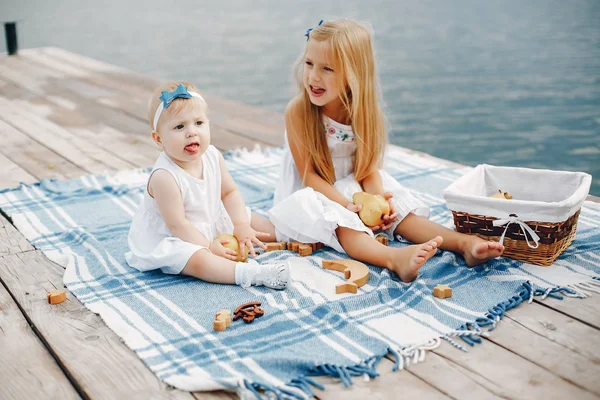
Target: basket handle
(514, 219)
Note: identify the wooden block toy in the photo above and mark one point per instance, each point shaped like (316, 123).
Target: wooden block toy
(356, 273)
(305, 250)
(290, 246)
(284, 245)
(222, 320)
(442, 291)
(295, 246)
(273, 246)
(320, 245)
(248, 312)
(383, 239)
(56, 296)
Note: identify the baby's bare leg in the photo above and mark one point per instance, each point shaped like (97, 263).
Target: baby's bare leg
(474, 249)
(261, 224)
(210, 268)
(404, 261)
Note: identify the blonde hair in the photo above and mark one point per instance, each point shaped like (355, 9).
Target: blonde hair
(352, 50)
(177, 105)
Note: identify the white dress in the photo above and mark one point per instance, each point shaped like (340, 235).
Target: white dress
(302, 214)
(151, 243)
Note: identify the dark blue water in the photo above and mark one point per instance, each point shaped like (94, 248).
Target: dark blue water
(506, 83)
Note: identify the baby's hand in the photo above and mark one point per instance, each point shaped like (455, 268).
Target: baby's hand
(247, 237)
(216, 247)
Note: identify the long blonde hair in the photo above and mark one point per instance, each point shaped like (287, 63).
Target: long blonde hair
(350, 43)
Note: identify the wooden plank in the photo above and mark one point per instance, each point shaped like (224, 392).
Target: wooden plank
(388, 385)
(94, 356)
(11, 240)
(11, 175)
(559, 328)
(449, 378)
(585, 310)
(27, 369)
(551, 340)
(80, 152)
(508, 375)
(140, 151)
(92, 103)
(247, 121)
(32, 158)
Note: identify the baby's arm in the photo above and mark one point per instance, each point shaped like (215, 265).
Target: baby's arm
(164, 189)
(310, 178)
(236, 208)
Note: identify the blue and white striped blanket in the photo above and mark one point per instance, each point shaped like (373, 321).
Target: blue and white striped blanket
(307, 330)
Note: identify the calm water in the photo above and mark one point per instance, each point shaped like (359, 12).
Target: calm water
(505, 83)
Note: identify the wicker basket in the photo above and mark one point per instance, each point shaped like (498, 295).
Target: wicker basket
(538, 195)
(554, 237)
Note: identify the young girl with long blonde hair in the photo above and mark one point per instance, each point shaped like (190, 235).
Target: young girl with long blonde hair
(335, 143)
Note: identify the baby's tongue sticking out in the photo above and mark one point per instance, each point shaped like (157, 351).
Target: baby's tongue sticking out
(192, 148)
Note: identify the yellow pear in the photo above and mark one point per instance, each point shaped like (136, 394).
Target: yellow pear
(233, 244)
(501, 195)
(374, 207)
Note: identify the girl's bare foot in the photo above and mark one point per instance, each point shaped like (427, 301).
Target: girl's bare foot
(407, 260)
(478, 251)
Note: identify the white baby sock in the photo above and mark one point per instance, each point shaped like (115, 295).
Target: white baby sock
(274, 276)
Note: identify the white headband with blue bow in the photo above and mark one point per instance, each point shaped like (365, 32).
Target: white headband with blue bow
(168, 97)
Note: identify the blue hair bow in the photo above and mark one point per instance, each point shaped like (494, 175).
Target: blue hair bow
(168, 97)
(310, 29)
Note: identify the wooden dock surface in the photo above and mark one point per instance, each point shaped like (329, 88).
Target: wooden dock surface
(63, 115)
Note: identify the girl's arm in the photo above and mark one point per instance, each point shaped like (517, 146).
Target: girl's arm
(164, 189)
(373, 183)
(293, 125)
(236, 208)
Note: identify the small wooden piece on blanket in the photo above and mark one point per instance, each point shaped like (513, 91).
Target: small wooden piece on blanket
(248, 311)
(356, 272)
(222, 320)
(442, 291)
(383, 239)
(272, 246)
(304, 249)
(56, 296)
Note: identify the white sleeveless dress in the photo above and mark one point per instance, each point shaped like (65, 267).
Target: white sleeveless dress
(302, 214)
(151, 243)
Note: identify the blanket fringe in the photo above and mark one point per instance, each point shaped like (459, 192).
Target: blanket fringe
(302, 387)
(471, 331)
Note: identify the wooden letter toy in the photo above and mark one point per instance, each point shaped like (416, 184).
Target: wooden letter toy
(276, 246)
(56, 296)
(305, 250)
(383, 239)
(248, 311)
(356, 272)
(442, 291)
(222, 320)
